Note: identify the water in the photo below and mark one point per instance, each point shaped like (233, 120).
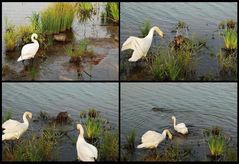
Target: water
(198, 105)
(56, 66)
(202, 18)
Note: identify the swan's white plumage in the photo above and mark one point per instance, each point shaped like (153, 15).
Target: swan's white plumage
(14, 129)
(180, 128)
(29, 50)
(151, 139)
(140, 45)
(85, 151)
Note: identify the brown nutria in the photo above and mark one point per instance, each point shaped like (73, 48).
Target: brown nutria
(62, 117)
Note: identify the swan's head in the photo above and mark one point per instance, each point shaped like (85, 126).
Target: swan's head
(173, 117)
(28, 114)
(34, 35)
(80, 128)
(157, 29)
(170, 136)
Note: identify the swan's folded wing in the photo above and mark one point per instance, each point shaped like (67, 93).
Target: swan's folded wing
(150, 136)
(10, 124)
(94, 150)
(85, 152)
(16, 128)
(181, 125)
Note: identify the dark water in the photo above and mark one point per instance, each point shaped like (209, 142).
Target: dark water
(202, 18)
(198, 105)
(56, 66)
(60, 97)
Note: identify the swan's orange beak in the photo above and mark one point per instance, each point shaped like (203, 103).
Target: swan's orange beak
(160, 32)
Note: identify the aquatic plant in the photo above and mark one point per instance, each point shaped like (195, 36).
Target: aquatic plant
(145, 28)
(130, 139)
(92, 113)
(227, 63)
(112, 11)
(231, 24)
(7, 115)
(230, 39)
(83, 114)
(165, 66)
(42, 148)
(42, 115)
(84, 11)
(24, 33)
(93, 128)
(10, 36)
(230, 154)
(109, 147)
(35, 22)
(57, 17)
(216, 145)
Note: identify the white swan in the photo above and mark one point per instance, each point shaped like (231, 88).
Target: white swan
(14, 129)
(140, 45)
(29, 50)
(180, 128)
(85, 151)
(151, 139)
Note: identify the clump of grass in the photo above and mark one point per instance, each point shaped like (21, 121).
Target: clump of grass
(145, 28)
(84, 10)
(93, 113)
(109, 147)
(7, 115)
(36, 148)
(112, 11)
(130, 140)
(35, 22)
(230, 154)
(57, 17)
(216, 145)
(76, 55)
(42, 115)
(231, 24)
(230, 39)
(227, 63)
(10, 36)
(83, 114)
(93, 128)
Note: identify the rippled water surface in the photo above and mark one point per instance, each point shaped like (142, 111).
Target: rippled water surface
(198, 105)
(202, 18)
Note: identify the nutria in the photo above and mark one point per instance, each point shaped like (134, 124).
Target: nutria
(62, 117)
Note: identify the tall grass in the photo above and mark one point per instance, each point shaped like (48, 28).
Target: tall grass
(227, 63)
(10, 36)
(130, 139)
(57, 17)
(145, 28)
(93, 128)
(230, 39)
(109, 147)
(24, 33)
(7, 115)
(216, 145)
(35, 22)
(112, 11)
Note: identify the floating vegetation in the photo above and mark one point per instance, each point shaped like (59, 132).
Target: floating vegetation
(42, 115)
(109, 147)
(145, 28)
(57, 17)
(77, 55)
(112, 12)
(130, 140)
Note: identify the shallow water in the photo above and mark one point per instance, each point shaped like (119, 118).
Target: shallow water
(202, 18)
(198, 105)
(60, 97)
(56, 66)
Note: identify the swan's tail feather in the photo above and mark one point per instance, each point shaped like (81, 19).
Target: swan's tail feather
(20, 59)
(140, 146)
(3, 137)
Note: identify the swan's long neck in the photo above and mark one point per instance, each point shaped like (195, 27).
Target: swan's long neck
(174, 121)
(150, 34)
(33, 39)
(25, 120)
(81, 131)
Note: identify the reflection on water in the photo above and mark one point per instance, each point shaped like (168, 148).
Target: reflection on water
(150, 106)
(56, 66)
